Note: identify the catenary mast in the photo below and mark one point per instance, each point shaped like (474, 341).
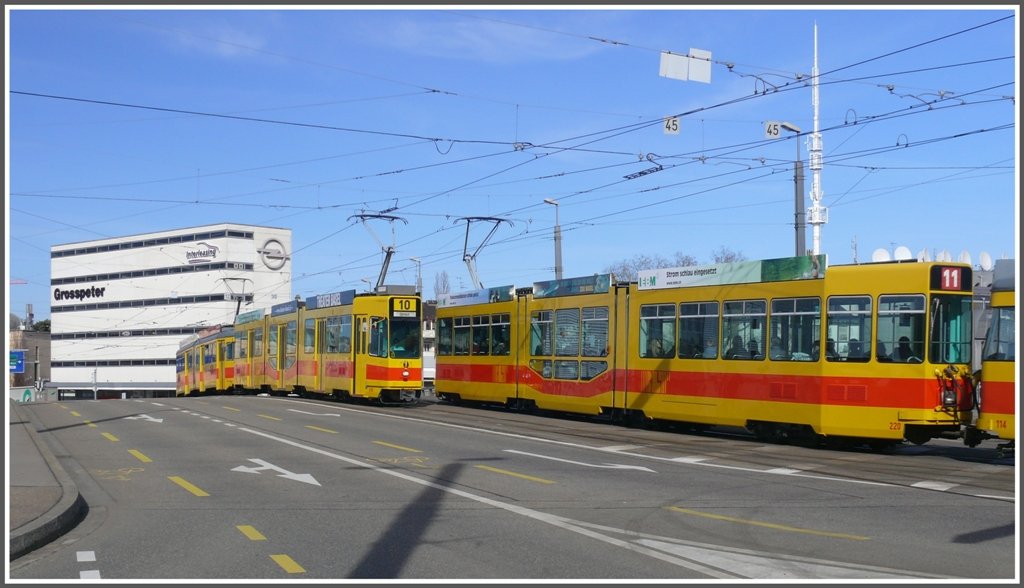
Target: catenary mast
(817, 214)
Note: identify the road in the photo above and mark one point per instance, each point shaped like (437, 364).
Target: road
(278, 489)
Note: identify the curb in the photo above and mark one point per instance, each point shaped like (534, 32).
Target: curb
(68, 512)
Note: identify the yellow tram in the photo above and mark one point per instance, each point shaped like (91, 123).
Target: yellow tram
(784, 347)
(997, 405)
(205, 362)
(343, 345)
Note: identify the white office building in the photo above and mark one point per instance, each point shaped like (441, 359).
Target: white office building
(120, 306)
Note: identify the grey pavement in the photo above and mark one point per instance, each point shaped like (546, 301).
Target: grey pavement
(44, 502)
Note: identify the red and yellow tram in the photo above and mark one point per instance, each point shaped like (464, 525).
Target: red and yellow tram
(727, 345)
(997, 404)
(205, 362)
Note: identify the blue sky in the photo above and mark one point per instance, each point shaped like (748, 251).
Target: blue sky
(130, 121)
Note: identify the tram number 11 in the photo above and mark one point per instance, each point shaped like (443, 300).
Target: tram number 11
(950, 278)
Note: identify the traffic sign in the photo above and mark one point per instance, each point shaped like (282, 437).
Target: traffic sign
(17, 361)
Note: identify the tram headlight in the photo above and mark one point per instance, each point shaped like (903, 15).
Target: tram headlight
(405, 374)
(948, 397)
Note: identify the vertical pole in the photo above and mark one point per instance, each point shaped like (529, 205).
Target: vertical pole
(798, 180)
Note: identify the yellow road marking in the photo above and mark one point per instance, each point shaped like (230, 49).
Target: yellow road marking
(233, 408)
(91, 424)
(398, 447)
(251, 532)
(187, 486)
(287, 564)
(111, 437)
(75, 413)
(266, 416)
(320, 429)
(769, 525)
(140, 456)
(508, 473)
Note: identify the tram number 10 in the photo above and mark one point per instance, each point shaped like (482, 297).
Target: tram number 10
(403, 307)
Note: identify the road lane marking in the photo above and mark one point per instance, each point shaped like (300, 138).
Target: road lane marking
(140, 456)
(111, 437)
(251, 532)
(775, 526)
(89, 575)
(597, 532)
(81, 556)
(267, 416)
(287, 564)
(75, 413)
(91, 424)
(321, 429)
(928, 485)
(397, 447)
(187, 486)
(612, 466)
(508, 473)
(233, 408)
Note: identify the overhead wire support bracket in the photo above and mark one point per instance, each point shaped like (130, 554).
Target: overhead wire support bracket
(388, 250)
(471, 259)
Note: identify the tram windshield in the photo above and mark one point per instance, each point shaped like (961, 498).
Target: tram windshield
(1000, 342)
(951, 329)
(405, 338)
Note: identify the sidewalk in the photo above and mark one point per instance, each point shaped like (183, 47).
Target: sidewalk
(44, 502)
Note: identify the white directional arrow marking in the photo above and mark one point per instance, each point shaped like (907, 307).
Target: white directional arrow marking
(145, 416)
(611, 466)
(306, 478)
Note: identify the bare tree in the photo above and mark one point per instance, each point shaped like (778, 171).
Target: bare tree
(441, 284)
(628, 269)
(725, 255)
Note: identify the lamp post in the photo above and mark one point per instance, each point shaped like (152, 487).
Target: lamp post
(558, 240)
(419, 274)
(798, 181)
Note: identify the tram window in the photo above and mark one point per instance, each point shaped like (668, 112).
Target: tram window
(290, 343)
(901, 322)
(242, 346)
(309, 336)
(952, 330)
(229, 349)
(567, 339)
(378, 337)
(541, 366)
(345, 338)
(444, 336)
(540, 332)
(848, 328)
(567, 369)
(1000, 341)
(461, 335)
(272, 346)
(501, 334)
(657, 330)
(592, 369)
(333, 334)
(698, 330)
(595, 332)
(795, 326)
(257, 342)
(405, 338)
(481, 334)
(743, 329)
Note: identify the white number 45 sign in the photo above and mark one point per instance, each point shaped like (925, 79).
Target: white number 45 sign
(672, 125)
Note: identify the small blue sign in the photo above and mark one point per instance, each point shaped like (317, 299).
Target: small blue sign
(17, 361)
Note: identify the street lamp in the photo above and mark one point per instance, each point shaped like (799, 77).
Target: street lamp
(798, 182)
(419, 275)
(558, 240)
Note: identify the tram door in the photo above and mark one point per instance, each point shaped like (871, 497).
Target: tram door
(248, 359)
(360, 340)
(221, 365)
(280, 355)
(195, 376)
(319, 347)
